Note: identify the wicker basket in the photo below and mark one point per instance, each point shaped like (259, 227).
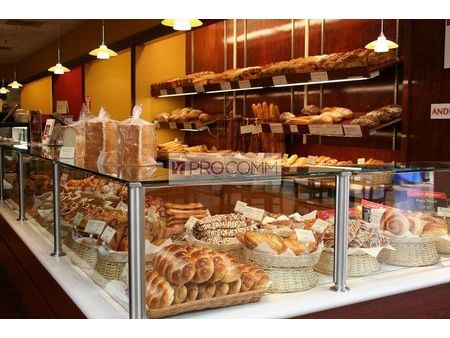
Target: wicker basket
(210, 303)
(233, 249)
(359, 263)
(85, 251)
(378, 178)
(410, 252)
(287, 273)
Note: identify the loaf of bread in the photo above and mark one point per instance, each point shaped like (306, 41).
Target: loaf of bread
(175, 264)
(252, 239)
(204, 265)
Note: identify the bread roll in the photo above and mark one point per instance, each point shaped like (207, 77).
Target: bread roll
(204, 266)
(204, 118)
(192, 292)
(206, 290)
(311, 110)
(158, 292)
(175, 264)
(395, 222)
(180, 294)
(232, 270)
(252, 239)
(234, 287)
(222, 289)
(194, 115)
(219, 267)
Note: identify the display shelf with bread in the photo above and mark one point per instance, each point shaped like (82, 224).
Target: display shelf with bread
(354, 65)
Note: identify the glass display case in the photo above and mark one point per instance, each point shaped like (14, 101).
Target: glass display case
(214, 232)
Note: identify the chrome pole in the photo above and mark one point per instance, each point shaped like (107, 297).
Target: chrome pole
(21, 188)
(57, 246)
(136, 250)
(341, 232)
(1, 175)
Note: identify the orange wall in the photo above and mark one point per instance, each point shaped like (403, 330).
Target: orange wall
(37, 95)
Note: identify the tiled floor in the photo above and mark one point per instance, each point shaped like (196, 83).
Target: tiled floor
(10, 307)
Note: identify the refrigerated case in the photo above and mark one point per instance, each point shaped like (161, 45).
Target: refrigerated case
(376, 230)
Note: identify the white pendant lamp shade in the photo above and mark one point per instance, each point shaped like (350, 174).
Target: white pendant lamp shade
(15, 84)
(59, 69)
(103, 52)
(182, 24)
(3, 89)
(381, 44)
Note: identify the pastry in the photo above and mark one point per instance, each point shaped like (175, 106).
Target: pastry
(175, 264)
(286, 116)
(158, 292)
(204, 265)
(206, 290)
(311, 110)
(180, 294)
(222, 289)
(252, 239)
(192, 292)
(234, 287)
(395, 222)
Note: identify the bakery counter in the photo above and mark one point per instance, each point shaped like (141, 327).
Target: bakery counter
(88, 297)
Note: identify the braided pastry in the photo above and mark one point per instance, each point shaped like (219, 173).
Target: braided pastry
(175, 264)
(158, 291)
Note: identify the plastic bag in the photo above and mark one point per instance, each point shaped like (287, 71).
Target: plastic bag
(137, 141)
(75, 133)
(101, 139)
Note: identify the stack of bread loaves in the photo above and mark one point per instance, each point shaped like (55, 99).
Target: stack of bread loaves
(183, 274)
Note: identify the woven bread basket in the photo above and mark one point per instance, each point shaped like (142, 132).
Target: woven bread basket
(374, 178)
(410, 252)
(443, 246)
(85, 251)
(287, 273)
(359, 263)
(232, 249)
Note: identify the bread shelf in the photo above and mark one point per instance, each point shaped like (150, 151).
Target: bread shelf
(345, 129)
(287, 80)
(185, 126)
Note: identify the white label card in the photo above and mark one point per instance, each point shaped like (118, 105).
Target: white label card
(310, 215)
(225, 86)
(172, 125)
(315, 129)
(352, 130)
(243, 84)
(77, 219)
(257, 129)
(319, 76)
(67, 152)
(191, 222)
(94, 227)
(108, 234)
(276, 128)
(443, 212)
(255, 214)
(187, 125)
(199, 88)
(163, 92)
(247, 129)
(305, 236)
(333, 129)
(319, 226)
(279, 80)
(179, 90)
(361, 160)
(293, 128)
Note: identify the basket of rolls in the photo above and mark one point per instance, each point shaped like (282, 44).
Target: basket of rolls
(365, 243)
(288, 261)
(219, 232)
(187, 278)
(413, 235)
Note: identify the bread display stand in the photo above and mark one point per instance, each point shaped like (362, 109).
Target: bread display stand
(210, 303)
(286, 273)
(360, 263)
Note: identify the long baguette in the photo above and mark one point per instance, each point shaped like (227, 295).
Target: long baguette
(184, 206)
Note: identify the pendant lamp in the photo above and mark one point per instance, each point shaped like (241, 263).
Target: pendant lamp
(15, 84)
(103, 52)
(3, 89)
(381, 45)
(58, 69)
(182, 24)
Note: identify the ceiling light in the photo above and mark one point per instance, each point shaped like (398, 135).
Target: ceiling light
(182, 24)
(3, 89)
(15, 84)
(58, 69)
(381, 44)
(103, 52)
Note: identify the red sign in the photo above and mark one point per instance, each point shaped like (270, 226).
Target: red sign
(425, 193)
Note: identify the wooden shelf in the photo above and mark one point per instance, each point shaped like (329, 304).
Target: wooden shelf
(288, 80)
(189, 126)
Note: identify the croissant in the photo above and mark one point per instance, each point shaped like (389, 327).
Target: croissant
(175, 264)
(204, 265)
(395, 222)
(158, 292)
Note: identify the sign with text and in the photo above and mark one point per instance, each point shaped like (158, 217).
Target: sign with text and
(424, 200)
(440, 111)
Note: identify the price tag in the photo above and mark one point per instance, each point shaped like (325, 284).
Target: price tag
(243, 84)
(293, 128)
(276, 128)
(225, 86)
(77, 219)
(67, 152)
(279, 80)
(443, 212)
(239, 207)
(319, 76)
(122, 206)
(179, 90)
(187, 125)
(94, 227)
(108, 234)
(257, 129)
(172, 125)
(315, 129)
(255, 214)
(305, 236)
(191, 222)
(333, 129)
(319, 226)
(64, 177)
(247, 129)
(352, 130)
(361, 160)
(199, 88)
(163, 92)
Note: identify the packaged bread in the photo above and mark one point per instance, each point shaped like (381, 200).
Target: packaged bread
(75, 134)
(101, 139)
(137, 141)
